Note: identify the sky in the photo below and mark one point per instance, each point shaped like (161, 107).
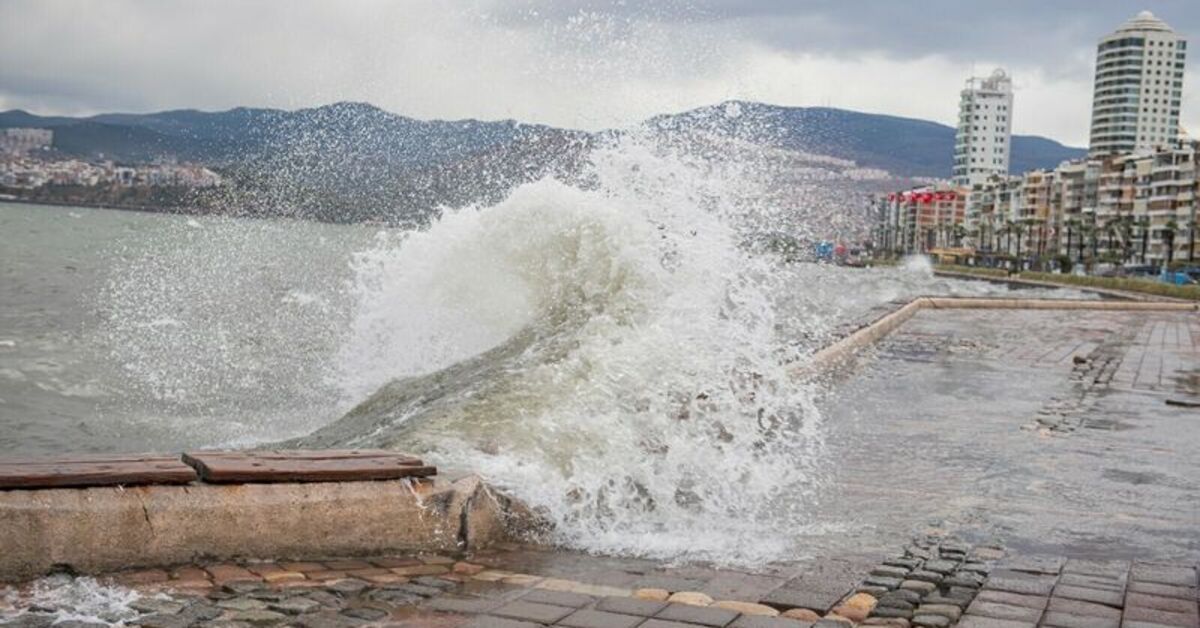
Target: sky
(574, 63)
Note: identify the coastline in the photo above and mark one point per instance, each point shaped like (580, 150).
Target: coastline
(85, 205)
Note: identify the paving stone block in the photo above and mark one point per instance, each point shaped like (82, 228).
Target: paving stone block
(978, 621)
(939, 566)
(558, 598)
(888, 571)
(347, 565)
(630, 606)
(1175, 605)
(926, 576)
(906, 595)
(224, 573)
(1179, 576)
(883, 581)
(588, 618)
(1114, 599)
(530, 611)
(1130, 623)
(1054, 619)
(920, 586)
(670, 583)
(783, 599)
(1077, 607)
(900, 561)
(1106, 568)
(487, 621)
(1091, 582)
(737, 586)
(892, 611)
(1004, 611)
(465, 605)
(716, 617)
(1047, 565)
(938, 598)
(665, 623)
(1013, 599)
(1015, 582)
(963, 579)
(758, 621)
(1164, 590)
(1166, 618)
(948, 611)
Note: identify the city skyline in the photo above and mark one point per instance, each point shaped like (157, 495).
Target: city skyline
(576, 64)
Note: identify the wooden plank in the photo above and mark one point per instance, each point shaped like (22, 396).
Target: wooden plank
(223, 467)
(104, 470)
(314, 454)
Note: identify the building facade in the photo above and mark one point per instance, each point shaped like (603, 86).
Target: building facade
(1132, 209)
(1138, 88)
(983, 140)
(18, 141)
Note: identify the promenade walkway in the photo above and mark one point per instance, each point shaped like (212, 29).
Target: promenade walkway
(987, 469)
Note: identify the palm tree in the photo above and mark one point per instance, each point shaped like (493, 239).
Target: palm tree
(1018, 229)
(1169, 238)
(1071, 224)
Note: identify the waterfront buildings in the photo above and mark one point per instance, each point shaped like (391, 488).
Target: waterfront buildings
(1138, 87)
(983, 140)
(18, 141)
(29, 173)
(1133, 200)
(1138, 208)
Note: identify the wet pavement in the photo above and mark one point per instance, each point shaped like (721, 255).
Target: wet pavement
(986, 469)
(1043, 431)
(933, 582)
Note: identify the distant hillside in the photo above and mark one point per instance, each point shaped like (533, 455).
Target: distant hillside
(354, 161)
(363, 133)
(905, 147)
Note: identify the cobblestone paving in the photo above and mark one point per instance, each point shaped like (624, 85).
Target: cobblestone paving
(1044, 429)
(934, 582)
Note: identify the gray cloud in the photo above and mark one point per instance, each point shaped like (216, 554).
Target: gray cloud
(578, 63)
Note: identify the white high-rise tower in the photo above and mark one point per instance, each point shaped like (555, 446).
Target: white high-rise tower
(1139, 86)
(983, 142)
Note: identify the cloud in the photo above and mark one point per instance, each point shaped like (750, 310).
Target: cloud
(571, 63)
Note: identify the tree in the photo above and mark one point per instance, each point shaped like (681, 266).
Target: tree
(1169, 239)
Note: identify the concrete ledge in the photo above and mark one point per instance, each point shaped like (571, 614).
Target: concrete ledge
(1034, 283)
(94, 530)
(841, 351)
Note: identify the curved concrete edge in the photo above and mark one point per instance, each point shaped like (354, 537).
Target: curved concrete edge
(1034, 283)
(870, 334)
(95, 530)
(1004, 303)
(841, 351)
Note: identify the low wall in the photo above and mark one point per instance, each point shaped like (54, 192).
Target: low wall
(1034, 283)
(93, 530)
(844, 349)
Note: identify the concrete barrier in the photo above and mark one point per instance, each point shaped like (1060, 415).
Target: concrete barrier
(1035, 283)
(843, 350)
(93, 530)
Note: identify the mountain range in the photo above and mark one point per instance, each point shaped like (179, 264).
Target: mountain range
(354, 161)
(905, 147)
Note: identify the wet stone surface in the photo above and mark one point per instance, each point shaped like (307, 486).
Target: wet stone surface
(523, 587)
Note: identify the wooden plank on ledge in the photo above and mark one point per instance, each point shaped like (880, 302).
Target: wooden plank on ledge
(228, 467)
(77, 471)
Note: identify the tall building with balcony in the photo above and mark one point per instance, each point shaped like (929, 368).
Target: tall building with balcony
(982, 144)
(1139, 86)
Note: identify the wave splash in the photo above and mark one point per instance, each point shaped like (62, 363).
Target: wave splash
(609, 352)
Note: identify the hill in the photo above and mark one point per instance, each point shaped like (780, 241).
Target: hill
(903, 146)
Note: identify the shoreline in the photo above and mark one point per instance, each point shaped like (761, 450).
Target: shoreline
(84, 205)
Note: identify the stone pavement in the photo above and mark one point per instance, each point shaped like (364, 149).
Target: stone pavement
(934, 582)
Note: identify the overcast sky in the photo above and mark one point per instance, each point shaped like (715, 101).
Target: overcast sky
(575, 63)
